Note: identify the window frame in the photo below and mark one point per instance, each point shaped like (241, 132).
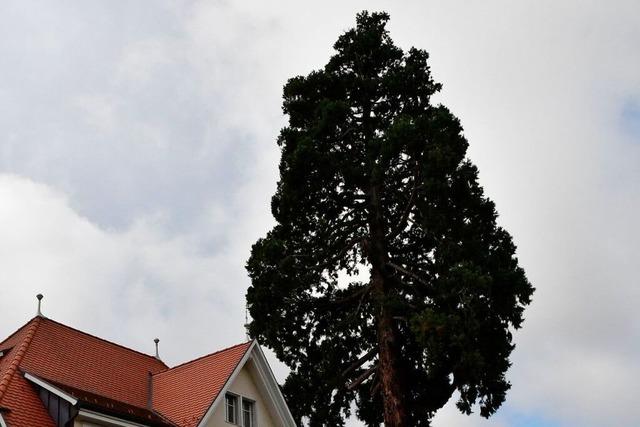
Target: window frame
(236, 398)
(252, 412)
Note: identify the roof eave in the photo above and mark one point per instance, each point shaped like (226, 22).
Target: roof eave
(104, 418)
(51, 388)
(271, 384)
(96, 412)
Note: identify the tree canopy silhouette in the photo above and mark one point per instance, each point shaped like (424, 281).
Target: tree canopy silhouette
(386, 281)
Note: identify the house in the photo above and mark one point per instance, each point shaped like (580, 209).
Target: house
(52, 375)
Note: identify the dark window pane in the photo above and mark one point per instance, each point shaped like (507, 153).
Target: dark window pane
(232, 408)
(247, 413)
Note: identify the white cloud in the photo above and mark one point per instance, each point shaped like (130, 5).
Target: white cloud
(98, 111)
(449, 416)
(140, 59)
(129, 286)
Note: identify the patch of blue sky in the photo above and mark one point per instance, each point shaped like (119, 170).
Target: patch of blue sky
(520, 419)
(630, 118)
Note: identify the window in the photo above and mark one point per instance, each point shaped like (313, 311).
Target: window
(239, 410)
(231, 405)
(247, 413)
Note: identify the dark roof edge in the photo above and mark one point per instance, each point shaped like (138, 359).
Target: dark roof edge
(82, 404)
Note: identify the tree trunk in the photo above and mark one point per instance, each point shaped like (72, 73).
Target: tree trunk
(389, 364)
(390, 373)
(392, 380)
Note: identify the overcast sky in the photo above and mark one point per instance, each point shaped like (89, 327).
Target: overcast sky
(138, 158)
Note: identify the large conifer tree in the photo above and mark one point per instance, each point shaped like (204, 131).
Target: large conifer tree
(374, 181)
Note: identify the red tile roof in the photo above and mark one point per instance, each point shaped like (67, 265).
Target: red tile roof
(105, 375)
(184, 393)
(68, 356)
(21, 405)
(14, 348)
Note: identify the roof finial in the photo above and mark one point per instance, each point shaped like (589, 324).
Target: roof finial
(39, 313)
(157, 340)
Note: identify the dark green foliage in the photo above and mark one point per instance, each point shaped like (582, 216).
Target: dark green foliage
(453, 283)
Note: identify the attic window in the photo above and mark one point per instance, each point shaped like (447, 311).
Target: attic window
(4, 351)
(231, 408)
(247, 413)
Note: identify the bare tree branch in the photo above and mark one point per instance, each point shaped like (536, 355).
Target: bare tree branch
(361, 361)
(363, 377)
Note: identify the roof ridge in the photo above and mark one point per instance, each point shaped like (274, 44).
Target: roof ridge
(20, 352)
(16, 332)
(109, 342)
(205, 356)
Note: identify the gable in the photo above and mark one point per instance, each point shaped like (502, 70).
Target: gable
(184, 393)
(265, 383)
(244, 386)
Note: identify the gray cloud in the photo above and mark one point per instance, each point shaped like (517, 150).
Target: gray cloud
(138, 159)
